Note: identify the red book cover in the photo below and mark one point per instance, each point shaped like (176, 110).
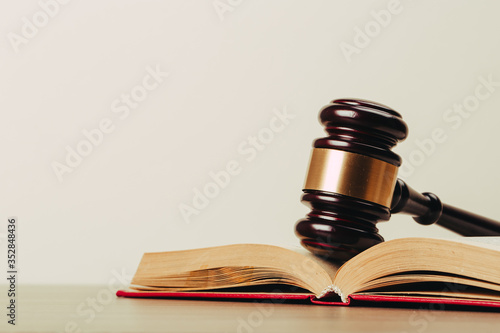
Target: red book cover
(311, 299)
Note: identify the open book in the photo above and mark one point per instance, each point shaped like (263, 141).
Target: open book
(403, 270)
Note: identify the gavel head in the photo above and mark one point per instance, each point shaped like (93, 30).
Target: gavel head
(351, 178)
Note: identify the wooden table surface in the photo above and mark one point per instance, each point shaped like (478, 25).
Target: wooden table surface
(95, 309)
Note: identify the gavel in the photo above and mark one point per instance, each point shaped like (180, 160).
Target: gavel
(352, 184)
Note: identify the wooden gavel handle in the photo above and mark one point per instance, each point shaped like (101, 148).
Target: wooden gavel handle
(426, 208)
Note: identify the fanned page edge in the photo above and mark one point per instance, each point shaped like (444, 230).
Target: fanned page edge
(324, 270)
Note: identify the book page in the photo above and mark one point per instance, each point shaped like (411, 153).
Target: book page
(473, 261)
(232, 266)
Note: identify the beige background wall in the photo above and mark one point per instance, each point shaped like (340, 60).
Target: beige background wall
(204, 77)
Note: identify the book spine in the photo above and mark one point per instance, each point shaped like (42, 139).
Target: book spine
(333, 289)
